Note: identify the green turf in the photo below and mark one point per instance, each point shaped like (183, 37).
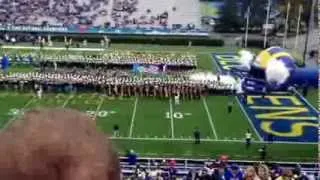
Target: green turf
(119, 112)
(203, 52)
(9, 101)
(194, 116)
(147, 118)
(150, 118)
(275, 152)
(236, 121)
(313, 97)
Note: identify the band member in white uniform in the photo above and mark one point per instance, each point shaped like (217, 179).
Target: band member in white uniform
(177, 99)
(39, 92)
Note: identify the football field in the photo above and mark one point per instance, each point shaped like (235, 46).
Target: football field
(155, 127)
(160, 128)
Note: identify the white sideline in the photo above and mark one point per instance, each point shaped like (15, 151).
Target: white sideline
(306, 101)
(209, 118)
(249, 120)
(133, 117)
(67, 100)
(13, 118)
(171, 117)
(207, 140)
(98, 107)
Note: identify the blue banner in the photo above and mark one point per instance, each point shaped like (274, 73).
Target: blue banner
(5, 63)
(286, 117)
(101, 30)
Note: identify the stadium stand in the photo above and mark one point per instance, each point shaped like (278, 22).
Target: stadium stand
(149, 168)
(119, 74)
(117, 13)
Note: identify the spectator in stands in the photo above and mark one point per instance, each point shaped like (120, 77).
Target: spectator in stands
(314, 176)
(251, 174)
(248, 138)
(56, 144)
(205, 175)
(297, 170)
(152, 173)
(132, 157)
(233, 173)
(172, 172)
(218, 173)
(172, 163)
(275, 171)
(263, 172)
(285, 175)
(140, 173)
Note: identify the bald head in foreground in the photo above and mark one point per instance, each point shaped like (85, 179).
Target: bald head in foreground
(56, 144)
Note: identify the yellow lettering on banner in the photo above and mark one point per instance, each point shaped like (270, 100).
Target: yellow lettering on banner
(250, 99)
(227, 65)
(276, 100)
(283, 112)
(224, 63)
(296, 129)
(227, 57)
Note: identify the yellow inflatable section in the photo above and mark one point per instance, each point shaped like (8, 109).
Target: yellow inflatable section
(269, 54)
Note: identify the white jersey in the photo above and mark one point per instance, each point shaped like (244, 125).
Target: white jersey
(248, 135)
(177, 99)
(39, 93)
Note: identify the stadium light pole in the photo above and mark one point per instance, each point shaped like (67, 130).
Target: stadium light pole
(286, 26)
(309, 27)
(266, 26)
(247, 27)
(298, 27)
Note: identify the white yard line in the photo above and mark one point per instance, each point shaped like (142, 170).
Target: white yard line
(171, 117)
(14, 117)
(209, 118)
(98, 107)
(67, 100)
(249, 120)
(206, 140)
(306, 101)
(133, 117)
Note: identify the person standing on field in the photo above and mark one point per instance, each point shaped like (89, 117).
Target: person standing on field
(196, 135)
(248, 139)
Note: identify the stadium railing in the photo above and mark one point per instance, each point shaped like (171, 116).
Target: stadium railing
(184, 165)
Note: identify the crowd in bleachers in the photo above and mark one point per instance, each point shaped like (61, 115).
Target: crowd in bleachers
(114, 13)
(123, 11)
(221, 169)
(55, 12)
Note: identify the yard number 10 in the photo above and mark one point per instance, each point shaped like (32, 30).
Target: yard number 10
(176, 115)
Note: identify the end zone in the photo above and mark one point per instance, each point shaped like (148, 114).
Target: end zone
(285, 118)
